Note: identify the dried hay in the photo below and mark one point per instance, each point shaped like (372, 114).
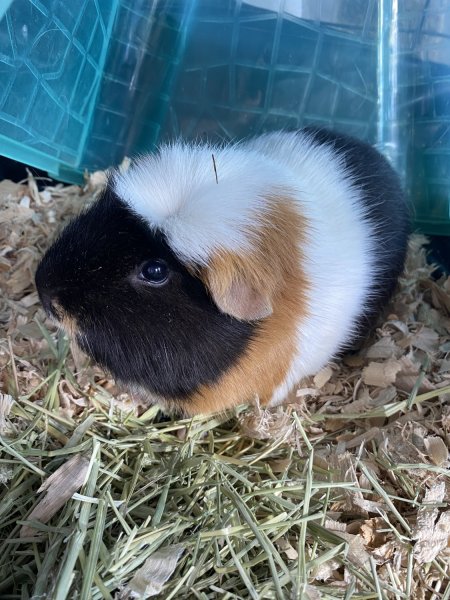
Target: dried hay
(342, 494)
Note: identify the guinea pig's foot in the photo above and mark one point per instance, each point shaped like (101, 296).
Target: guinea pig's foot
(162, 417)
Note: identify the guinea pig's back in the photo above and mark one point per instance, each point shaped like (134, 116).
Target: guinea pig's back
(386, 210)
(357, 223)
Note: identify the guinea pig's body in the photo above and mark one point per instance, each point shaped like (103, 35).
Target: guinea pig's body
(207, 276)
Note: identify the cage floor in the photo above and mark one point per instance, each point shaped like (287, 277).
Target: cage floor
(343, 493)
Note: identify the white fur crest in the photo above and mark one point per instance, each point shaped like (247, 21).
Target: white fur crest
(176, 191)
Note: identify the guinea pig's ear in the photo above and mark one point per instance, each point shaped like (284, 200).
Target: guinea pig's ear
(236, 292)
(252, 282)
(242, 301)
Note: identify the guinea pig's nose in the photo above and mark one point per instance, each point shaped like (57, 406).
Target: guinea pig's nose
(47, 299)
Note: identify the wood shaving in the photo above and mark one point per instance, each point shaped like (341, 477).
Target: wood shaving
(432, 530)
(323, 377)
(437, 450)
(285, 546)
(157, 569)
(266, 424)
(58, 488)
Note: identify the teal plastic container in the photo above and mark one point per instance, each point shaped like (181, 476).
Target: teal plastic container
(85, 83)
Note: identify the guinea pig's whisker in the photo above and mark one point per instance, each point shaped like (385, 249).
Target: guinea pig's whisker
(215, 168)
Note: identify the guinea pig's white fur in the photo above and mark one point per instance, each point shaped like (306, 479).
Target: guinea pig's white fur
(176, 191)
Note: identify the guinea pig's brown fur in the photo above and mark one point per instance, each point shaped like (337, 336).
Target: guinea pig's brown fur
(274, 271)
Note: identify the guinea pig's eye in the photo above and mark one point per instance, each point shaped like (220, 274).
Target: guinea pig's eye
(155, 271)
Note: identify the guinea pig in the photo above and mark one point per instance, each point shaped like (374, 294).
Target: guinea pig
(207, 276)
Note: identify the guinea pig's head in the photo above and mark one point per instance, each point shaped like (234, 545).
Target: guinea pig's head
(166, 279)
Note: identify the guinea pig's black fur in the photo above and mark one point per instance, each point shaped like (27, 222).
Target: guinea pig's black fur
(91, 275)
